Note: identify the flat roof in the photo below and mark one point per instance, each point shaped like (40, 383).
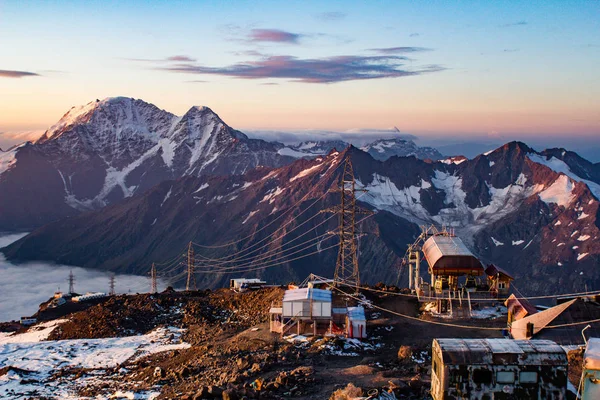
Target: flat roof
(307, 294)
(356, 314)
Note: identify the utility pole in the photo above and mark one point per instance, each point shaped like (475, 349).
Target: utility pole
(71, 282)
(191, 278)
(346, 268)
(112, 285)
(153, 286)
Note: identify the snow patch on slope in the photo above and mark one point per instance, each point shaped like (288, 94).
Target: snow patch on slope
(8, 158)
(560, 192)
(44, 358)
(560, 166)
(383, 194)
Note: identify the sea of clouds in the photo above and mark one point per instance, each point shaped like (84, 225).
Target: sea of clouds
(24, 286)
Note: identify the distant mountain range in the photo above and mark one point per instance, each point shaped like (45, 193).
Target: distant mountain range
(108, 150)
(533, 213)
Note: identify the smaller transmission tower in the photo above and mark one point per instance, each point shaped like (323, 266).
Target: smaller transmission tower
(71, 282)
(191, 278)
(112, 285)
(153, 286)
(346, 268)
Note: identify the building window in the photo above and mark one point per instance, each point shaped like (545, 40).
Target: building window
(528, 377)
(505, 377)
(482, 376)
(501, 285)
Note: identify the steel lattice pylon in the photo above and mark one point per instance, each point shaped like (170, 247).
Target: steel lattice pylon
(191, 277)
(346, 268)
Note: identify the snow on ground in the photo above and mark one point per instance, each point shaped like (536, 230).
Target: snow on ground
(202, 187)
(7, 159)
(583, 215)
(581, 256)
(335, 346)
(560, 166)
(36, 361)
(583, 238)
(305, 172)
(167, 196)
(382, 193)
(560, 192)
(250, 215)
(35, 333)
(517, 242)
(489, 312)
(496, 242)
(271, 194)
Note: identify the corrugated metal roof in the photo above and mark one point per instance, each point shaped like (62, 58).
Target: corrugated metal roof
(500, 351)
(307, 294)
(448, 254)
(356, 314)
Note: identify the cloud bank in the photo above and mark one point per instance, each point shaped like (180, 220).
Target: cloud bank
(315, 70)
(23, 287)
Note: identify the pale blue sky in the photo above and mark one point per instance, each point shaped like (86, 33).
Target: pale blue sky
(500, 67)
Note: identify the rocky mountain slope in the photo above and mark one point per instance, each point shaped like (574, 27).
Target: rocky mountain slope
(535, 214)
(108, 150)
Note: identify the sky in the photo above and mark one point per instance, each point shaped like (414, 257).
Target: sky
(446, 69)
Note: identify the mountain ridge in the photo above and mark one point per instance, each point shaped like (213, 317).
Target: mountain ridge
(510, 209)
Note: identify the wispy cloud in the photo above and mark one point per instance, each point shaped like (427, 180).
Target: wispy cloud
(4, 73)
(321, 70)
(273, 35)
(177, 58)
(197, 81)
(180, 58)
(512, 24)
(400, 50)
(331, 16)
(414, 34)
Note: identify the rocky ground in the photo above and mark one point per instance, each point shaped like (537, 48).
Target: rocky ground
(229, 352)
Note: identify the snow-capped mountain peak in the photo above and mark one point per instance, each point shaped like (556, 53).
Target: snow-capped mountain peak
(382, 149)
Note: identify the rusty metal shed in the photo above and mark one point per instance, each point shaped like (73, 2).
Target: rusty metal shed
(448, 255)
(498, 369)
(500, 351)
